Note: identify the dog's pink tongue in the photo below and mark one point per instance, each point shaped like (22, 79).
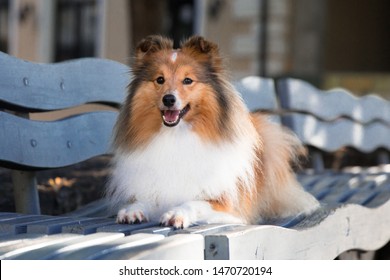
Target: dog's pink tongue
(171, 115)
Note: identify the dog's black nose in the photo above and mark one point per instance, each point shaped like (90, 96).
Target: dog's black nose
(169, 100)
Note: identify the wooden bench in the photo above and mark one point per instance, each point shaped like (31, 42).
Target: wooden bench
(91, 232)
(340, 130)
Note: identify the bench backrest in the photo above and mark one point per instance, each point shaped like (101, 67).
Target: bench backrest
(28, 144)
(27, 87)
(259, 95)
(330, 120)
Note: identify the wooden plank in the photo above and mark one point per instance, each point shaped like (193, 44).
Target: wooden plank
(19, 224)
(347, 227)
(176, 247)
(326, 184)
(363, 197)
(7, 215)
(358, 188)
(342, 187)
(329, 105)
(381, 198)
(258, 93)
(127, 229)
(205, 229)
(59, 249)
(12, 239)
(165, 231)
(27, 243)
(331, 136)
(61, 85)
(364, 189)
(53, 226)
(338, 195)
(87, 226)
(96, 252)
(308, 180)
(382, 182)
(38, 144)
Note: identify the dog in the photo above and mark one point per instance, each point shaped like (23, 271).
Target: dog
(187, 150)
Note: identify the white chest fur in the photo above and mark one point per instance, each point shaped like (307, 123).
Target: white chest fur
(178, 166)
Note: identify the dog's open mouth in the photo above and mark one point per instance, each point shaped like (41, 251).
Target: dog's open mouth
(172, 117)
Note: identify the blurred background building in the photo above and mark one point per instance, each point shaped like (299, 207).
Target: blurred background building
(327, 42)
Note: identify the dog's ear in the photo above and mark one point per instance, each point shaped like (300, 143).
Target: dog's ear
(200, 47)
(152, 44)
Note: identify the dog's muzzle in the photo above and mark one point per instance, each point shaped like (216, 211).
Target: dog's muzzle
(171, 116)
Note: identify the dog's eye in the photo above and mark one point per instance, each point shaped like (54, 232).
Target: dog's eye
(160, 80)
(187, 81)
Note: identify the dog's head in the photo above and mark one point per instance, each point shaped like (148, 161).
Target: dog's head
(175, 86)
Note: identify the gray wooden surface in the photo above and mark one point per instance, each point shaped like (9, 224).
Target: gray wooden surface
(259, 95)
(300, 96)
(61, 85)
(51, 144)
(331, 136)
(334, 119)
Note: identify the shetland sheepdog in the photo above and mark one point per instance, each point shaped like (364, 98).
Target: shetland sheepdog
(187, 151)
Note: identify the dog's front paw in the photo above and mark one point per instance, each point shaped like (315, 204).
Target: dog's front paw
(131, 215)
(175, 218)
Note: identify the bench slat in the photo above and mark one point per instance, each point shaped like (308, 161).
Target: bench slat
(175, 247)
(57, 249)
(53, 226)
(29, 242)
(87, 226)
(17, 225)
(331, 136)
(61, 85)
(96, 252)
(127, 229)
(258, 93)
(331, 104)
(39, 144)
(205, 229)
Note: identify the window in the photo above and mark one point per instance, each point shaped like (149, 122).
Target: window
(76, 29)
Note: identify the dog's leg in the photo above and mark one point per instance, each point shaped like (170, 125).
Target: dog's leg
(134, 213)
(197, 212)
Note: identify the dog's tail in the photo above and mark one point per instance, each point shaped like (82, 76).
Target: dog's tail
(280, 194)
